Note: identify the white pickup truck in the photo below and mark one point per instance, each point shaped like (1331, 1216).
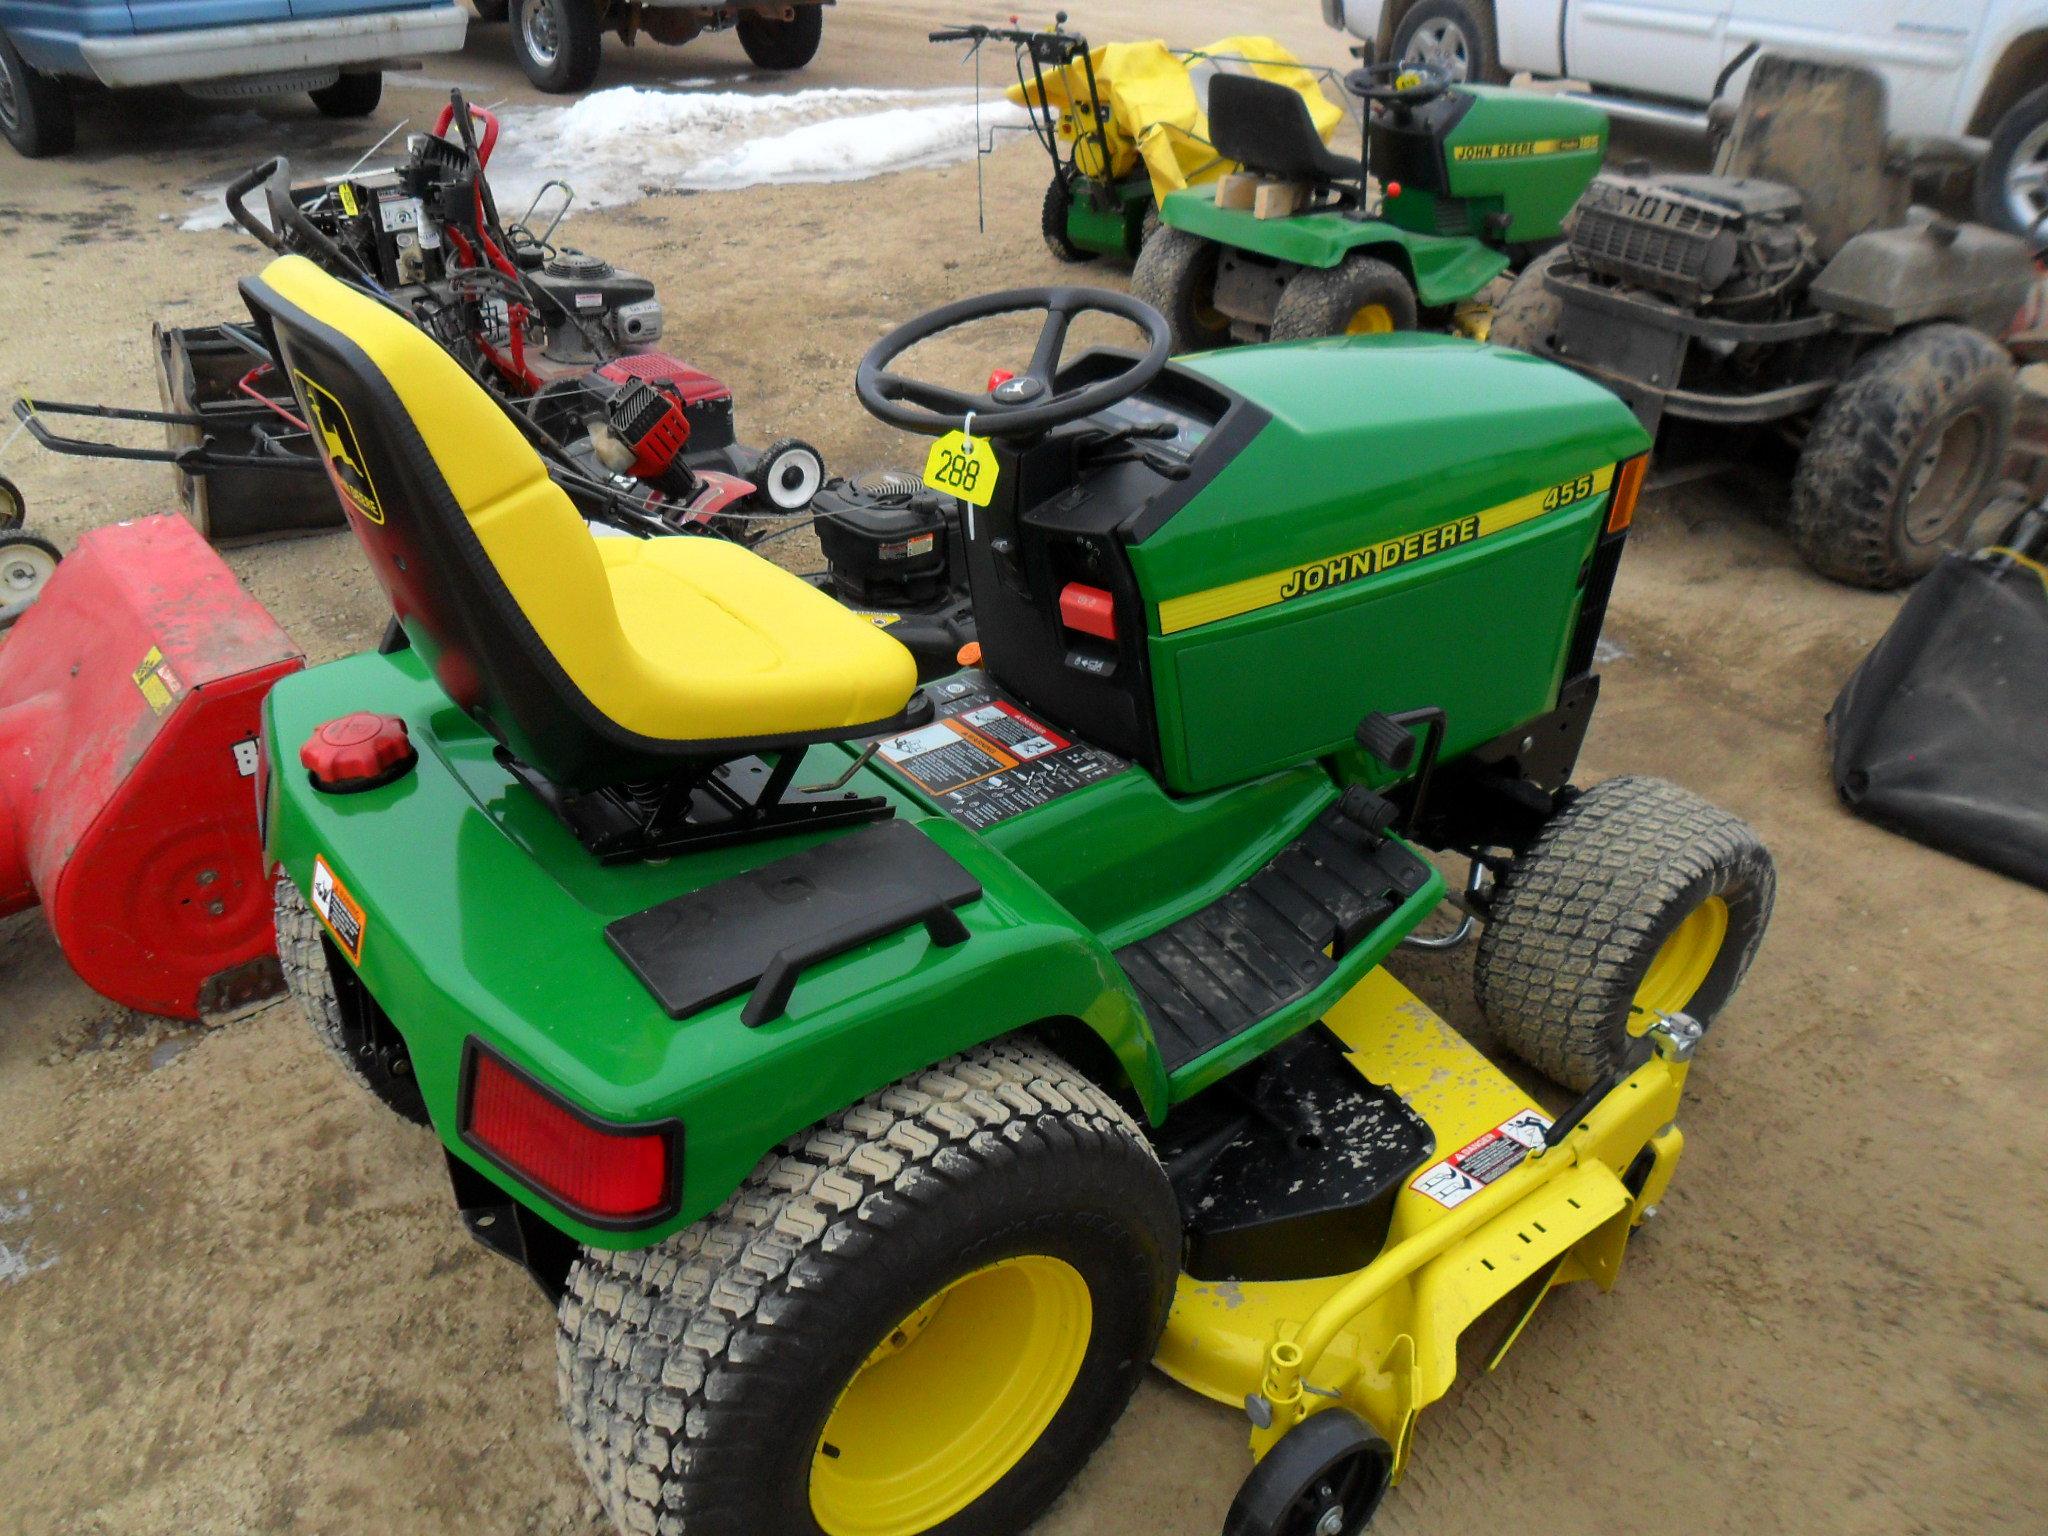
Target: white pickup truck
(1975, 69)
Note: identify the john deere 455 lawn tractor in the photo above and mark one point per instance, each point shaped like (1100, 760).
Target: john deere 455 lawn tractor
(876, 1078)
(1468, 176)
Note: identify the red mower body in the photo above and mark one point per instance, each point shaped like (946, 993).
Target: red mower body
(129, 705)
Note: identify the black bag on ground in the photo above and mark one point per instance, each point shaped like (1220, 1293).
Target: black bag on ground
(1942, 733)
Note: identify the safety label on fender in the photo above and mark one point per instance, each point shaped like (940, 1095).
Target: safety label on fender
(984, 759)
(159, 684)
(1479, 1162)
(341, 912)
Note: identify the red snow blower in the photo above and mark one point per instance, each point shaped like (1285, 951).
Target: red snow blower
(129, 700)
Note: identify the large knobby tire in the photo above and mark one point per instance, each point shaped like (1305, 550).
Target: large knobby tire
(559, 43)
(1639, 898)
(35, 108)
(1360, 296)
(1454, 35)
(904, 1289)
(2012, 178)
(1527, 318)
(378, 1064)
(353, 95)
(775, 44)
(1176, 275)
(1052, 221)
(1902, 455)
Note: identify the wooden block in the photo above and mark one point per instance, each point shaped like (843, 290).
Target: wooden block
(1278, 199)
(1236, 190)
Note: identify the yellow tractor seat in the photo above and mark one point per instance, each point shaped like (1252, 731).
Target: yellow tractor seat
(596, 661)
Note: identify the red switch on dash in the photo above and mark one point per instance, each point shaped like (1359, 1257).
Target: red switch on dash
(1090, 610)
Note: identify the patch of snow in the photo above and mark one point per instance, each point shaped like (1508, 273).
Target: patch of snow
(1606, 650)
(619, 145)
(15, 1264)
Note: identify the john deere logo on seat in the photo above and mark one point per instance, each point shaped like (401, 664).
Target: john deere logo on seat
(341, 450)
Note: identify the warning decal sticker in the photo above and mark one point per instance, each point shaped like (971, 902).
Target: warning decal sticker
(1479, 1162)
(159, 684)
(341, 912)
(985, 760)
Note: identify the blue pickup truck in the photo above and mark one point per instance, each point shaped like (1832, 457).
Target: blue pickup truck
(334, 49)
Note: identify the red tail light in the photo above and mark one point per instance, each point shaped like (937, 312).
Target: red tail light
(606, 1174)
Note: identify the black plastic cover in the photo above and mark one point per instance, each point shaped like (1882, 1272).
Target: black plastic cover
(1942, 733)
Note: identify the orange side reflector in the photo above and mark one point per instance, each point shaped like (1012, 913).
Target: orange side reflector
(1628, 485)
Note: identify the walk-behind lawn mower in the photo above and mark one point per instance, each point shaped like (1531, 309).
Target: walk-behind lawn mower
(876, 1077)
(1796, 290)
(565, 340)
(1470, 177)
(1125, 125)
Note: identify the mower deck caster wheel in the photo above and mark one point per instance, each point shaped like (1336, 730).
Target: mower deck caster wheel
(789, 474)
(1325, 1477)
(13, 506)
(26, 565)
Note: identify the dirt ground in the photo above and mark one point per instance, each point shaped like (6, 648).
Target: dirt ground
(234, 1296)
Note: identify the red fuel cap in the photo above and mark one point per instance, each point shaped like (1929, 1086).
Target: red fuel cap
(359, 751)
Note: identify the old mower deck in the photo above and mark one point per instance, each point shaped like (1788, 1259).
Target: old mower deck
(878, 1073)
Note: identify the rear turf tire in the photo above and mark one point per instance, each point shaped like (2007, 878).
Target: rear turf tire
(1052, 221)
(1902, 455)
(780, 45)
(699, 1376)
(1639, 897)
(1176, 275)
(310, 969)
(1361, 295)
(559, 43)
(35, 108)
(353, 95)
(1527, 318)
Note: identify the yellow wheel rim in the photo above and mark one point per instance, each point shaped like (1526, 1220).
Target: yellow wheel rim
(1372, 320)
(1681, 964)
(952, 1399)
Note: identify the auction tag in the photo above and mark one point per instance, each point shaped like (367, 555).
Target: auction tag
(962, 466)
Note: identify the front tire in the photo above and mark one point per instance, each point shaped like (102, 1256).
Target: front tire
(922, 1316)
(1902, 455)
(1360, 296)
(779, 45)
(353, 95)
(559, 43)
(1639, 898)
(2012, 180)
(1176, 275)
(35, 108)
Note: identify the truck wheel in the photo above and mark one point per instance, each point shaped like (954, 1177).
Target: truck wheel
(1639, 898)
(1527, 318)
(776, 44)
(2012, 180)
(1052, 221)
(559, 43)
(1360, 296)
(35, 108)
(353, 95)
(1902, 455)
(341, 1010)
(1453, 36)
(922, 1315)
(1176, 275)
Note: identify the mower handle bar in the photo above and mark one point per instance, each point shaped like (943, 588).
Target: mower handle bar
(195, 460)
(275, 177)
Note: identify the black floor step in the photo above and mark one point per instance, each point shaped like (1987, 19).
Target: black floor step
(1251, 952)
(1290, 1167)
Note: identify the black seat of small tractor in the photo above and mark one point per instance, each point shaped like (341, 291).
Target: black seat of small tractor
(594, 661)
(1267, 128)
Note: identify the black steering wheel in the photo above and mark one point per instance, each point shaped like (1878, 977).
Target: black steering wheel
(1395, 84)
(1028, 403)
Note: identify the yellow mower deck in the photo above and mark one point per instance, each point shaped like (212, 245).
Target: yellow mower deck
(1383, 1340)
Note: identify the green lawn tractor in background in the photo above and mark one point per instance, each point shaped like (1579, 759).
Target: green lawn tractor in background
(1469, 178)
(877, 1077)
(1126, 124)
